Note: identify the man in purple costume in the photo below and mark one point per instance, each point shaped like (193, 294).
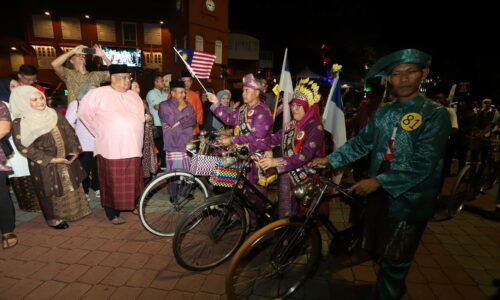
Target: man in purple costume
(253, 125)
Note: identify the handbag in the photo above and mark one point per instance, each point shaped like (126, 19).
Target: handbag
(202, 165)
(222, 176)
(6, 147)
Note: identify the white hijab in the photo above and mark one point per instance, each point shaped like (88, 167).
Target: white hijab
(34, 123)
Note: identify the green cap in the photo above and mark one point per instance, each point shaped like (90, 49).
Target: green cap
(384, 66)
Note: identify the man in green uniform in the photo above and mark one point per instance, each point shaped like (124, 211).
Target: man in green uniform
(406, 139)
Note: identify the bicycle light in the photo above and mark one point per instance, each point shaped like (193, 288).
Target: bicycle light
(228, 161)
(304, 191)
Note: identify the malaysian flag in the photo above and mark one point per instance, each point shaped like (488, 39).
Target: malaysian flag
(200, 63)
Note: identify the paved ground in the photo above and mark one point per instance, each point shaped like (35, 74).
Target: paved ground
(93, 259)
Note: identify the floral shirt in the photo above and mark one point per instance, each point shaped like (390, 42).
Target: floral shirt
(74, 79)
(4, 116)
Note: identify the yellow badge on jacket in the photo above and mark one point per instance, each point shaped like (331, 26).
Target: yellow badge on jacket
(411, 121)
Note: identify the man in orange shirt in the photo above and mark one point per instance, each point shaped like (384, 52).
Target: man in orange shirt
(193, 98)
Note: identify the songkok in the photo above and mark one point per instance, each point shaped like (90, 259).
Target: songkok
(186, 73)
(177, 84)
(249, 81)
(386, 64)
(115, 69)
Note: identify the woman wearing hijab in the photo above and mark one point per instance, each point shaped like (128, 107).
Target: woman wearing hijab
(224, 96)
(50, 144)
(300, 143)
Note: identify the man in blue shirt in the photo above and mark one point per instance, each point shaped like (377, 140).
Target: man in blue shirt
(154, 97)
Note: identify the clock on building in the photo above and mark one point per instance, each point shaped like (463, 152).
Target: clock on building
(210, 5)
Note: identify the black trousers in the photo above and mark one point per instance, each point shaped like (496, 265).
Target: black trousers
(89, 164)
(111, 213)
(7, 212)
(159, 145)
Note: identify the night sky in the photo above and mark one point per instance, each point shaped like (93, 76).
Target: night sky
(361, 31)
(460, 38)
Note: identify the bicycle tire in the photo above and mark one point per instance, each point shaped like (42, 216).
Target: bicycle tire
(210, 234)
(488, 176)
(463, 191)
(158, 214)
(267, 244)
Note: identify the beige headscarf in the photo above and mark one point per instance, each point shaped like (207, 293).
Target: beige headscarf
(34, 123)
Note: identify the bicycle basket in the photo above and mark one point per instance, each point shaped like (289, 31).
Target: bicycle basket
(202, 165)
(222, 176)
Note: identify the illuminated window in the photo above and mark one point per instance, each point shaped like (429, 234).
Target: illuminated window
(198, 43)
(67, 49)
(45, 55)
(218, 52)
(154, 60)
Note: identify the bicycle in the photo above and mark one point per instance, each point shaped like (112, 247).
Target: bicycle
(277, 259)
(159, 213)
(474, 179)
(212, 232)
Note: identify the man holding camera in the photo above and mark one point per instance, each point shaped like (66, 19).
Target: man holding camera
(79, 74)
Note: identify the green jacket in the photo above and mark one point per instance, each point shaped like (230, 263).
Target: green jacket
(413, 181)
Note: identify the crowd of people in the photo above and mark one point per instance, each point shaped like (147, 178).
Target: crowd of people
(113, 142)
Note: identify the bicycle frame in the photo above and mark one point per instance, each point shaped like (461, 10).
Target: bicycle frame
(242, 199)
(312, 215)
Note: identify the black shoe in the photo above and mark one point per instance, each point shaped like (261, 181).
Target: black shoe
(62, 225)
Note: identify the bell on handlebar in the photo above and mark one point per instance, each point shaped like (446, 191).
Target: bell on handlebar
(304, 191)
(228, 161)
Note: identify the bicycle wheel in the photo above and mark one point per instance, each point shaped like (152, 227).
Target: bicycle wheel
(210, 234)
(274, 262)
(462, 191)
(488, 176)
(159, 211)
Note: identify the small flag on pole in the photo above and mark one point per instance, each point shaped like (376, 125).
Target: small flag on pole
(285, 85)
(200, 62)
(333, 116)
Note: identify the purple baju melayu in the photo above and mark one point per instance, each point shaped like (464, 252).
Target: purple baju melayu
(253, 126)
(177, 133)
(298, 148)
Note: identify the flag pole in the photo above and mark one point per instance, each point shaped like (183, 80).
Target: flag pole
(190, 70)
(279, 87)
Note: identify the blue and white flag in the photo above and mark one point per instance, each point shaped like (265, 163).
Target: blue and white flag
(334, 119)
(333, 116)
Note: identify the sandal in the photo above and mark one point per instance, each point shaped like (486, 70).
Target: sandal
(9, 240)
(135, 212)
(118, 221)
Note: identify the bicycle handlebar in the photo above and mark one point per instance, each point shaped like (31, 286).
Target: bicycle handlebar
(338, 188)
